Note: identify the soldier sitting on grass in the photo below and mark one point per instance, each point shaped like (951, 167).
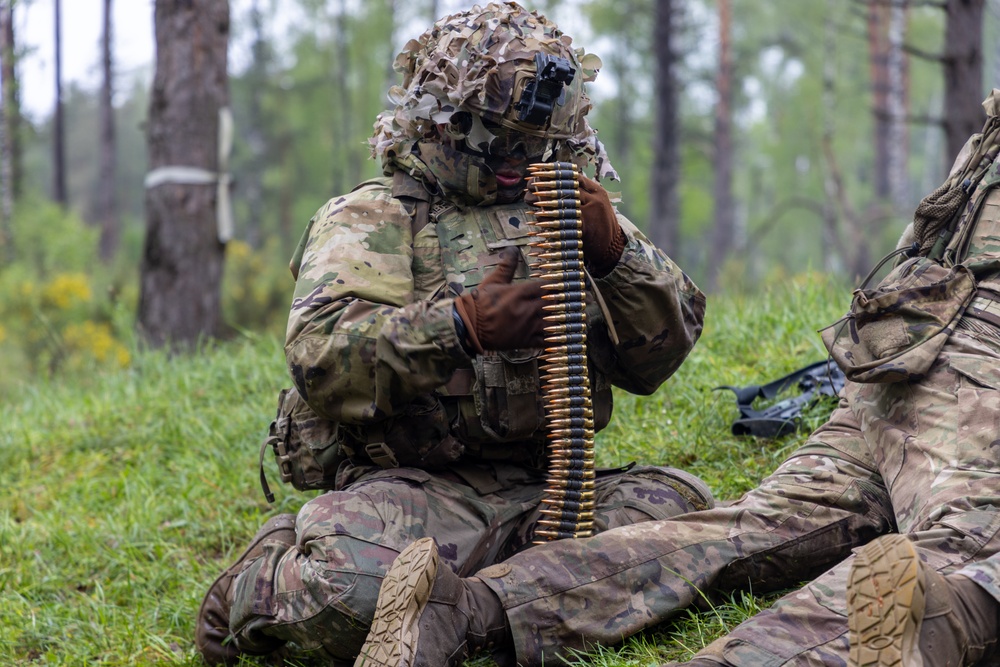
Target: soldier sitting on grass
(413, 344)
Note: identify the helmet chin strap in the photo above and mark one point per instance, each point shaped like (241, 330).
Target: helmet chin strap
(481, 184)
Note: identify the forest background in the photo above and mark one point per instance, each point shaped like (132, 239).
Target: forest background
(804, 135)
(778, 160)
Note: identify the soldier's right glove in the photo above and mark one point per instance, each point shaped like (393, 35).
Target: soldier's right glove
(603, 238)
(499, 315)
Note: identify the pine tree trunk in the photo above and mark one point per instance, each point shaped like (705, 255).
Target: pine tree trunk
(963, 73)
(834, 253)
(10, 131)
(664, 221)
(347, 169)
(878, 24)
(58, 126)
(724, 227)
(896, 70)
(621, 66)
(107, 206)
(252, 182)
(182, 261)
(11, 97)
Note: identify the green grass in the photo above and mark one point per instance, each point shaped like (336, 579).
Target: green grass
(124, 494)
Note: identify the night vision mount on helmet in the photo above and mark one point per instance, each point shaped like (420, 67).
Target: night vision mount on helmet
(541, 93)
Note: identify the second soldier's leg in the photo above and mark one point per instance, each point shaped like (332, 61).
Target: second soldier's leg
(805, 517)
(809, 627)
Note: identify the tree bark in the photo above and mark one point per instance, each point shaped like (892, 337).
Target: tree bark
(896, 98)
(107, 205)
(346, 170)
(724, 227)
(252, 183)
(878, 66)
(11, 97)
(664, 220)
(10, 130)
(621, 68)
(58, 125)
(963, 73)
(182, 259)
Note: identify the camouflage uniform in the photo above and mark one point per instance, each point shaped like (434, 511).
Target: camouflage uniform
(915, 457)
(441, 443)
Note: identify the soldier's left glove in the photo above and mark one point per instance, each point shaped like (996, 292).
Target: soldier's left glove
(603, 238)
(500, 314)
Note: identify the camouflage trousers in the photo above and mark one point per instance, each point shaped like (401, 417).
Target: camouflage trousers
(321, 593)
(919, 458)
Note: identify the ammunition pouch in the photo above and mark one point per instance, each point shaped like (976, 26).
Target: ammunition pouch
(507, 394)
(307, 447)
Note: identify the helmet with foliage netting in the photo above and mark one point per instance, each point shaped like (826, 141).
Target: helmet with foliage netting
(477, 77)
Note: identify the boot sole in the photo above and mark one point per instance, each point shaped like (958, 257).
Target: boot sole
(885, 602)
(392, 640)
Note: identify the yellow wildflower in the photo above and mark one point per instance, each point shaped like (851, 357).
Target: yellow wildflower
(67, 289)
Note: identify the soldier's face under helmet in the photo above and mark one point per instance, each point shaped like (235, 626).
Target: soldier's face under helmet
(508, 156)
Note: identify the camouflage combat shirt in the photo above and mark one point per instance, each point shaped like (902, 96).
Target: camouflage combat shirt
(371, 341)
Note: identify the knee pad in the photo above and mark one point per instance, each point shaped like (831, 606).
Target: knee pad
(320, 596)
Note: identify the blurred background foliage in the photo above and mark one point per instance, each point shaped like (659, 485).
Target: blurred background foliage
(309, 76)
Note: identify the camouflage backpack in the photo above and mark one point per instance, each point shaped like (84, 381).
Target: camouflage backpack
(894, 331)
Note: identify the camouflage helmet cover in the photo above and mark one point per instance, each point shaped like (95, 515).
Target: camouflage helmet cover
(478, 62)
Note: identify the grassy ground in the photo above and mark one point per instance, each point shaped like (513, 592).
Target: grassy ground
(123, 495)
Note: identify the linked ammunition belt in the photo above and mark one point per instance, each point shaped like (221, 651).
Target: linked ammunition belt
(568, 502)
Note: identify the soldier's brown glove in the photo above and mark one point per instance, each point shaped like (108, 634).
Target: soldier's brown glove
(499, 315)
(603, 238)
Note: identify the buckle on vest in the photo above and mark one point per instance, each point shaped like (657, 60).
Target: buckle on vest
(381, 455)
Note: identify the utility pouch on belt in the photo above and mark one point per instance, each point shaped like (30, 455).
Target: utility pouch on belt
(306, 446)
(507, 393)
(894, 332)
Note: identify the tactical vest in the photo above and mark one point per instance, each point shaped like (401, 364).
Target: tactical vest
(977, 240)
(490, 403)
(496, 400)
(948, 279)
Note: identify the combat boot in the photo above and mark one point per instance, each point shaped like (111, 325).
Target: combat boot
(211, 635)
(903, 613)
(427, 616)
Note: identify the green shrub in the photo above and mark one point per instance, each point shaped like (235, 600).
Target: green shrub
(256, 287)
(60, 309)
